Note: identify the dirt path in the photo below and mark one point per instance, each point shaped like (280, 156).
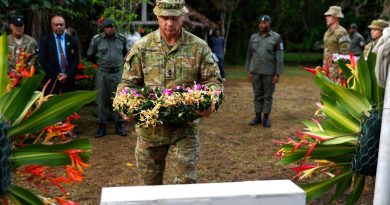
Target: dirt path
(230, 149)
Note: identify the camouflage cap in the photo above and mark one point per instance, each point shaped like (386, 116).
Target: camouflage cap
(170, 8)
(334, 11)
(378, 24)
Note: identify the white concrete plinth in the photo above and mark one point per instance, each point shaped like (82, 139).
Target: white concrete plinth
(268, 192)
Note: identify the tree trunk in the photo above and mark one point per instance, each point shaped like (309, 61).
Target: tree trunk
(39, 23)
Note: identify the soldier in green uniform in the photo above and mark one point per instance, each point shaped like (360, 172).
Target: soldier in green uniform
(18, 41)
(109, 49)
(376, 27)
(336, 39)
(264, 63)
(165, 58)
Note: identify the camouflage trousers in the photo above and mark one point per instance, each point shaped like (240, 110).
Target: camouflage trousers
(153, 145)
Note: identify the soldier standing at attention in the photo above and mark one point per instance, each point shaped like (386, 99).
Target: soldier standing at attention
(18, 41)
(336, 39)
(356, 45)
(165, 58)
(376, 27)
(264, 63)
(109, 49)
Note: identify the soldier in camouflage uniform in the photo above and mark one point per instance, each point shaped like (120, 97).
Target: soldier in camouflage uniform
(109, 49)
(18, 41)
(336, 39)
(264, 63)
(376, 27)
(165, 58)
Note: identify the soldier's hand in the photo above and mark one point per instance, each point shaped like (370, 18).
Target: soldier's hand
(275, 79)
(127, 118)
(62, 77)
(204, 113)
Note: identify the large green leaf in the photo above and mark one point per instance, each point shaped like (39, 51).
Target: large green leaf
(342, 186)
(356, 190)
(347, 72)
(377, 92)
(13, 103)
(344, 96)
(364, 78)
(23, 196)
(50, 155)
(30, 103)
(347, 121)
(54, 110)
(326, 152)
(3, 64)
(316, 190)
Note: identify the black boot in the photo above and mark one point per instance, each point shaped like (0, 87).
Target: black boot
(119, 129)
(256, 120)
(267, 121)
(101, 132)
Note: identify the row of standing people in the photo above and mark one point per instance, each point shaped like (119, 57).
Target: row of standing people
(338, 41)
(58, 56)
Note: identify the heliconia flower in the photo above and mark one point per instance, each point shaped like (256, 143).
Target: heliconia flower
(58, 130)
(64, 201)
(100, 21)
(167, 92)
(280, 153)
(76, 159)
(303, 167)
(311, 70)
(74, 116)
(352, 59)
(279, 142)
(95, 65)
(326, 68)
(36, 170)
(80, 66)
(74, 175)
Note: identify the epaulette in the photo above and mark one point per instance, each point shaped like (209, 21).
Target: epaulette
(97, 36)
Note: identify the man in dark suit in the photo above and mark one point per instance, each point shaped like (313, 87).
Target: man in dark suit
(59, 57)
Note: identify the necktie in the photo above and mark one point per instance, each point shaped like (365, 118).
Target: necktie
(62, 55)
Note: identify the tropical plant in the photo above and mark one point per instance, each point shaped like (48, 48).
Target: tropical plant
(334, 148)
(33, 138)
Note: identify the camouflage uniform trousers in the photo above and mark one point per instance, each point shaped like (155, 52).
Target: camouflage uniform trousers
(152, 148)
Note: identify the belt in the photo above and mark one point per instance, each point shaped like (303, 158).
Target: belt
(110, 69)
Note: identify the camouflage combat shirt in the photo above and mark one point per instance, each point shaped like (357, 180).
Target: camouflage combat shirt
(368, 48)
(336, 41)
(28, 45)
(151, 62)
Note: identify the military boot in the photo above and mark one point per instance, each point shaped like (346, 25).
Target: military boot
(256, 120)
(101, 132)
(119, 129)
(267, 121)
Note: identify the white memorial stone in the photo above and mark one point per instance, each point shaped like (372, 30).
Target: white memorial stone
(267, 192)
